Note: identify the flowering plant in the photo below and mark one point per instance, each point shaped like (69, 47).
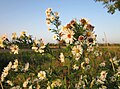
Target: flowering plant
(77, 65)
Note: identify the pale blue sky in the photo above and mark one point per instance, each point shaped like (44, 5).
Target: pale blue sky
(29, 16)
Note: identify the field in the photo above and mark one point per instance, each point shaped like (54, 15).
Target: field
(38, 62)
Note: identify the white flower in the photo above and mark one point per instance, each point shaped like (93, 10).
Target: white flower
(62, 57)
(15, 65)
(1, 43)
(56, 83)
(67, 35)
(103, 75)
(75, 67)
(22, 34)
(102, 64)
(14, 49)
(14, 35)
(9, 82)
(42, 75)
(52, 18)
(26, 67)
(82, 65)
(35, 48)
(87, 60)
(99, 81)
(103, 87)
(55, 37)
(25, 83)
(77, 51)
(30, 87)
(5, 71)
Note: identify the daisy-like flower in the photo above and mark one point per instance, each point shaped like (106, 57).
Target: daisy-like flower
(5, 71)
(14, 35)
(103, 75)
(41, 48)
(75, 67)
(48, 22)
(84, 21)
(42, 75)
(87, 60)
(4, 37)
(1, 43)
(14, 49)
(102, 64)
(115, 61)
(56, 83)
(26, 83)
(77, 51)
(52, 18)
(35, 48)
(55, 37)
(103, 87)
(62, 58)
(67, 35)
(80, 38)
(9, 82)
(56, 14)
(26, 67)
(22, 34)
(15, 65)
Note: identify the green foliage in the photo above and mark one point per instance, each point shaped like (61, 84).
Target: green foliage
(111, 5)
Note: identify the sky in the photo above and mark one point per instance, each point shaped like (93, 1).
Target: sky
(29, 15)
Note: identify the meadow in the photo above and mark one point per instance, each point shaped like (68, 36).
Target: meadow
(76, 62)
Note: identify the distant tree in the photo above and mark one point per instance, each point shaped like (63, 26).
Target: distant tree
(111, 5)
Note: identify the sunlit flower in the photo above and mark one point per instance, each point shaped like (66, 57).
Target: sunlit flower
(35, 48)
(22, 34)
(102, 64)
(14, 49)
(49, 29)
(90, 48)
(75, 67)
(80, 38)
(77, 50)
(52, 18)
(4, 37)
(30, 87)
(67, 35)
(113, 79)
(87, 60)
(15, 65)
(42, 75)
(25, 83)
(103, 75)
(89, 27)
(99, 81)
(84, 21)
(14, 35)
(9, 82)
(48, 22)
(82, 65)
(5, 71)
(115, 61)
(55, 37)
(56, 83)
(1, 43)
(56, 14)
(26, 67)
(103, 87)
(62, 57)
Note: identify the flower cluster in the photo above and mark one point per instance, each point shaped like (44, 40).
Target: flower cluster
(38, 46)
(76, 65)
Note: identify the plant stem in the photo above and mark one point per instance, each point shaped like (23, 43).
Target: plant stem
(1, 85)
